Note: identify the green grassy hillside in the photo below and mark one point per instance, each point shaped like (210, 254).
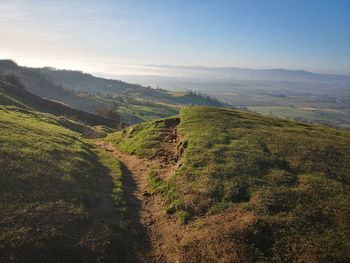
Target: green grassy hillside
(42, 86)
(289, 183)
(142, 139)
(15, 94)
(135, 103)
(60, 197)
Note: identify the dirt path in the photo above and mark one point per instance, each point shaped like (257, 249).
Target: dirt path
(156, 234)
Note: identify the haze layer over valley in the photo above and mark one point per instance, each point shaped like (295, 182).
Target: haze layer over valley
(296, 94)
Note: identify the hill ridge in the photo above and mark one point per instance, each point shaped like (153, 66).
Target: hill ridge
(258, 174)
(53, 107)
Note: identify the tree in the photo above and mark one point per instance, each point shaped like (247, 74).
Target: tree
(109, 112)
(13, 79)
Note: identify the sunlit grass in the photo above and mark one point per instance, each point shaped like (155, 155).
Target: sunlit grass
(294, 176)
(51, 183)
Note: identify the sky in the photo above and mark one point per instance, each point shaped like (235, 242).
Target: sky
(91, 35)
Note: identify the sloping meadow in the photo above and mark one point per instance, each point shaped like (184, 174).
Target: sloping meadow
(57, 194)
(254, 188)
(294, 177)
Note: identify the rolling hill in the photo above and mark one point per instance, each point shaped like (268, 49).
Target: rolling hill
(15, 94)
(208, 185)
(82, 91)
(60, 196)
(247, 188)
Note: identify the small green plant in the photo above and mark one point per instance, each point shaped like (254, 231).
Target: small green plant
(155, 183)
(183, 216)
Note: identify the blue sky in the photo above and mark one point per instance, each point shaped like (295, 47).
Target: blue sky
(295, 34)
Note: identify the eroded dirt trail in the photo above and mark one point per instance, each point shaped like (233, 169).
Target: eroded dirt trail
(156, 234)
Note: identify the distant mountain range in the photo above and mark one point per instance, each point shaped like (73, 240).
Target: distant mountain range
(169, 76)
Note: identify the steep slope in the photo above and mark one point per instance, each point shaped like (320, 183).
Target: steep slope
(80, 81)
(135, 103)
(11, 94)
(39, 85)
(61, 198)
(249, 188)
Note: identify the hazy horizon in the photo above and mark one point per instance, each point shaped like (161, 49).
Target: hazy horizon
(113, 70)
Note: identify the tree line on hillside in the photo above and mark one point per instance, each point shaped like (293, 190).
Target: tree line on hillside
(106, 114)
